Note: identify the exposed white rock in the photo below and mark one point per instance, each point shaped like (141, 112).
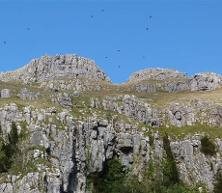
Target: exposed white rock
(160, 74)
(55, 67)
(5, 93)
(205, 82)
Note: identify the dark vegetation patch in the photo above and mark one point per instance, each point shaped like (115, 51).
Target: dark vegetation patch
(170, 173)
(159, 177)
(218, 183)
(208, 147)
(8, 149)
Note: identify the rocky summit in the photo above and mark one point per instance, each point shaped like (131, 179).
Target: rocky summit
(60, 66)
(65, 128)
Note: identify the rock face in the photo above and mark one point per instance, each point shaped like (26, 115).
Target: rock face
(70, 150)
(68, 135)
(62, 99)
(152, 80)
(205, 81)
(74, 150)
(196, 165)
(181, 115)
(60, 66)
(130, 106)
(159, 74)
(25, 94)
(5, 93)
(174, 114)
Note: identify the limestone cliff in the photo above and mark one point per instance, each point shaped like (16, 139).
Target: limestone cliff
(71, 122)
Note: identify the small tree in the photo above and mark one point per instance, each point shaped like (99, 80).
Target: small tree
(170, 173)
(13, 135)
(8, 150)
(3, 157)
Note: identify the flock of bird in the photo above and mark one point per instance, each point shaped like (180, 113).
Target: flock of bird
(147, 28)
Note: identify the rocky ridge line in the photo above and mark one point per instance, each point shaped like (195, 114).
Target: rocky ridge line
(56, 67)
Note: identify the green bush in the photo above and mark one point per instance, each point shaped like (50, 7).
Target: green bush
(207, 146)
(115, 180)
(170, 173)
(8, 150)
(13, 136)
(159, 177)
(111, 180)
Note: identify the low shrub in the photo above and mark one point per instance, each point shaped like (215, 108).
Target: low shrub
(207, 146)
(8, 149)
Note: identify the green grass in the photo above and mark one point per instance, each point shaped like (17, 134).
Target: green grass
(182, 132)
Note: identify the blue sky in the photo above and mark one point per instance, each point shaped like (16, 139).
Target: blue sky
(119, 35)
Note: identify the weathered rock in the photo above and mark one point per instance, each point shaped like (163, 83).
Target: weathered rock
(205, 82)
(180, 115)
(157, 79)
(52, 68)
(75, 84)
(73, 150)
(146, 87)
(131, 106)
(25, 94)
(158, 74)
(5, 93)
(60, 151)
(176, 86)
(194, 165)
(63, 99)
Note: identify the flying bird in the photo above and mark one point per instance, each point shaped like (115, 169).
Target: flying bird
(150, 16)
(102, 10)
(147, 28)
(118, 50)
(28, 28)
(118, 66)
(4, 42)
(91, 16)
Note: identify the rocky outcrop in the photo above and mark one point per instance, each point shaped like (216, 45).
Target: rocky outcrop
(205, 82)
(25, 94)
(75, 84)
(68, 136)
(181, 115)
(73, 150)
(158, 74)
(63, 99)
(152, 80)
(5, 93)
(193, 165)
(55, 67)
(174, 114)
(131, 106)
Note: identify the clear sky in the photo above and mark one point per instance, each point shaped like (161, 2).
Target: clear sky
(122, 36)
